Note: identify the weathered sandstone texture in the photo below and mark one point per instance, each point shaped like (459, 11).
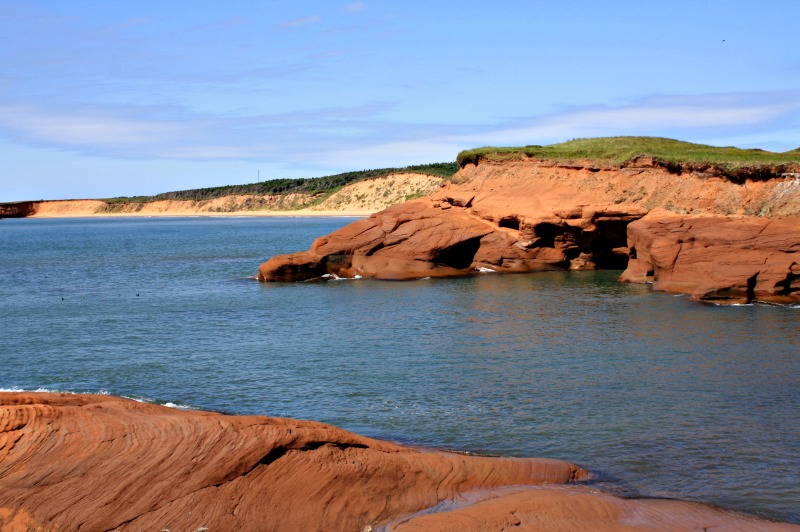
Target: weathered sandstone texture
(529, 215)
(88, 462)
(717, 259)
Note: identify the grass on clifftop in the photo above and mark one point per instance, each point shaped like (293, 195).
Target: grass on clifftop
(618, 150)
(314, 185)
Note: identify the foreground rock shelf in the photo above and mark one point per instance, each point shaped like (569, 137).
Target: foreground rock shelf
(94, 462)
(687, 232)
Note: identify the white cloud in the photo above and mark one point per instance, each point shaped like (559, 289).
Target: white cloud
(681, 116)
(354, 6)
(350, 137)
(87, 129)
(305, 21)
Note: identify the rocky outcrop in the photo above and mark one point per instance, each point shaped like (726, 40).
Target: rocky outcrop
(717, 259)
(444, 237)
(89, 462)
(528, 215)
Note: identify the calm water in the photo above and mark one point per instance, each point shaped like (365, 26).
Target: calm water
(657, 395)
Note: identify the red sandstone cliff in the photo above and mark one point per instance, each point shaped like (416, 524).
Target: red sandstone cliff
(530, 215)
(70, 462)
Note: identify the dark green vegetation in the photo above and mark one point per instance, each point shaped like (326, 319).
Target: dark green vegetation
(619, 150)
(314, 185)
(124, 199)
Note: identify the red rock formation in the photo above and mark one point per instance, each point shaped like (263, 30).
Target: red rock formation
(91, 462)
(719, 259)
(528, 215)
(446, 239)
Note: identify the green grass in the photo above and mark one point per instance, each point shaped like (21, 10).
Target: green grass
(619, 150)
(124, 199)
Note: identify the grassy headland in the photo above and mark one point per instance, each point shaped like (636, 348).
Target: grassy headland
(620, 150)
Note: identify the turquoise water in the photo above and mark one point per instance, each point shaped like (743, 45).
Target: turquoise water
(657, 395)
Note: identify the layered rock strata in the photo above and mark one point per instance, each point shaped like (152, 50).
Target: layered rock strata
(522, 216)
(88, 462)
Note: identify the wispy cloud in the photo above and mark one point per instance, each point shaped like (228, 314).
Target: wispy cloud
(305, 21)
(156, 132)
(354, 6)
(694, 115)
(365, 136)
(99, 130)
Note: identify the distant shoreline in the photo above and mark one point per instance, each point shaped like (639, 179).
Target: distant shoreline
(239, 214)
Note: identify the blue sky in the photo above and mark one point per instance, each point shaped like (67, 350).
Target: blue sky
(116, 98)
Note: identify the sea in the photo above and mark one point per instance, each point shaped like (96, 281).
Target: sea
(657, 395)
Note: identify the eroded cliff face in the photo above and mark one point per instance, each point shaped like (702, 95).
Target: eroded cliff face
(89, 462)
(529, 215)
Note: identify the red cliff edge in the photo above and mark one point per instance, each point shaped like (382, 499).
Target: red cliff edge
(94, 462)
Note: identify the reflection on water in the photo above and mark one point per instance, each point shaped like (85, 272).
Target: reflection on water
(658, 395)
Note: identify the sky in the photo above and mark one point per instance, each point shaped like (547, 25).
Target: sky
(120, 98)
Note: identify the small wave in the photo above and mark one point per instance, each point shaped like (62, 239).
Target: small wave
(41, 389)
(170, 404)
(334, 277)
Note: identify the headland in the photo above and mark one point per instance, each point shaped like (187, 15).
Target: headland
(720, 224)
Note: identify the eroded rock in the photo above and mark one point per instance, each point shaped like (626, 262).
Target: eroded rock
(430, 238)
(529, 215)
(94, 462)
(717, 259)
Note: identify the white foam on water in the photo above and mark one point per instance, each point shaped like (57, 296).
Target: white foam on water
(177, 406)
(41, 389)
(137, 399)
